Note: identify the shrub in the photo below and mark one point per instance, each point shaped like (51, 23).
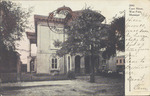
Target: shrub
(71, 75)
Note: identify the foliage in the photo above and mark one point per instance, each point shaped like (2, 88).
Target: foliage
(71, 75)
(116, 40)
(8, 61)
(57, 43)
(118, 25)
(88, 35)
(14, 22)
(84, 31)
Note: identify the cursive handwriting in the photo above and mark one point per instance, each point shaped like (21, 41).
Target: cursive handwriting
(140, 87)
(137, 43)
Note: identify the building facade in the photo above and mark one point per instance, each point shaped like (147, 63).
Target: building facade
(47, 31)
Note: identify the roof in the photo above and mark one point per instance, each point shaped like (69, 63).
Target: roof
(32, 37)
(40, 17)
(122, 56)
(71, 15)
(45, 18)
(52, 18)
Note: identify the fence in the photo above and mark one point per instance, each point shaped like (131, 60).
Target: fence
(13, 77)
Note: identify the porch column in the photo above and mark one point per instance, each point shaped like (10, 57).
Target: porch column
(29, 57)
(29, 48)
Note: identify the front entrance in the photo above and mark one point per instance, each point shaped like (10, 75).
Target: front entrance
(77, 64)
(32, 65)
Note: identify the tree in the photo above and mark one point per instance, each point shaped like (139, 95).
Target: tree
(14, 20)
(116, 37)
(118, 28)
(87, 35)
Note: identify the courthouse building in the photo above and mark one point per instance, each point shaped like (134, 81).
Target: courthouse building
(50, 29)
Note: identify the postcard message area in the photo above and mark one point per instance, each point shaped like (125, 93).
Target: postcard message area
(137, 77)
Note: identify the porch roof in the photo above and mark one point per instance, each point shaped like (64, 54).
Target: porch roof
(32, 37)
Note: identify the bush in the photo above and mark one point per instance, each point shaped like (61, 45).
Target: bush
(71, 75)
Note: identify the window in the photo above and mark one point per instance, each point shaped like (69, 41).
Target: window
(124, 60)
(116, 61)
(54, 63)
(120, 60)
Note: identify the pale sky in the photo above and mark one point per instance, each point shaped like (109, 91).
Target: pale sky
(108, 8)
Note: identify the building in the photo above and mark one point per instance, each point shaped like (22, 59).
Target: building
(48, 30)
(108, 65)
(32, 40)
(120, 63)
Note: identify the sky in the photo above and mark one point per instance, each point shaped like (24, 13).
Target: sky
(108, 8)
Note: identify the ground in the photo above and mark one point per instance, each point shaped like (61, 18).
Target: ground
(103, 86)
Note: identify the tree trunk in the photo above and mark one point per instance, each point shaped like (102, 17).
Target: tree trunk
(18, 68)
(92, 75)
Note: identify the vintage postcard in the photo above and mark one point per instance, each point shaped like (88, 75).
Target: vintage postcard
(74, 47)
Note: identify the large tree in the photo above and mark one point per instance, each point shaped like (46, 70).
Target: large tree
(14, 20)
(86, 35)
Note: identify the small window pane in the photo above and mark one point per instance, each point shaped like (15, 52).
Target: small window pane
(52, 65)
(52, 61)
(55, 65)
(55, 61)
